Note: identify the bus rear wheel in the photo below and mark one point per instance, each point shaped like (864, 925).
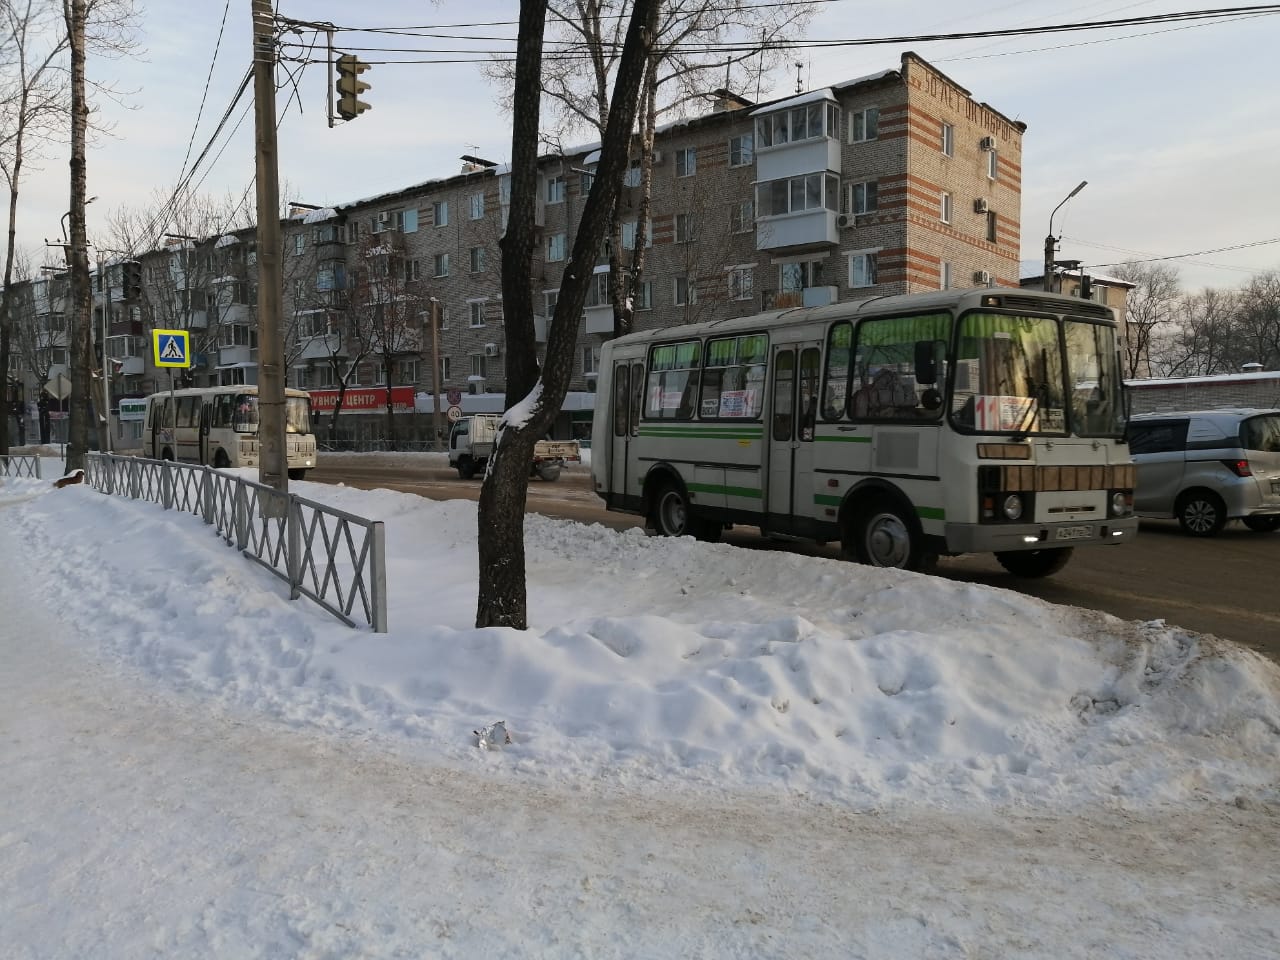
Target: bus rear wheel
(221, 460)
(1035, 563)
(297, 473)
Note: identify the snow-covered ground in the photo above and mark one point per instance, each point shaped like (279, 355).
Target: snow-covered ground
(715, 753)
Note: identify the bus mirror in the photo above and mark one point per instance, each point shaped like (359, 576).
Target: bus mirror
(926, 365)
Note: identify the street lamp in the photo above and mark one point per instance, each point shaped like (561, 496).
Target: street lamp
(1050, 245)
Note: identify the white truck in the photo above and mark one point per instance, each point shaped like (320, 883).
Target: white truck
(471, 441)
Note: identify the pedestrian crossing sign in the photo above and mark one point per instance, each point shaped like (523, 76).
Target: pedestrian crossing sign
(172, 348)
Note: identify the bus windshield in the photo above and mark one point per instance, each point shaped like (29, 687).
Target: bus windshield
(1012, 376)
(297, 414)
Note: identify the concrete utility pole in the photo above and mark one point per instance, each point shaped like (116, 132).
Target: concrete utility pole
(272, 461)
(80, 327)
(1050, 283)
(435, 372)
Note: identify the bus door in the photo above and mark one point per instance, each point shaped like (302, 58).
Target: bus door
(206, 412)
(628, 395)
(792, 415)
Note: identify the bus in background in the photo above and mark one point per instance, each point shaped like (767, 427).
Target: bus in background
(907, 427)
(218, 426)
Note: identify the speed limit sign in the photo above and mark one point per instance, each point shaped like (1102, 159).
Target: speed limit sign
(454, 414)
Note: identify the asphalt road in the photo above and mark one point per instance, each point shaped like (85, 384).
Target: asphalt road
(1226, 586)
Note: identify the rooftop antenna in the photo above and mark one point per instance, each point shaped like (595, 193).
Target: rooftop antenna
(799, 83)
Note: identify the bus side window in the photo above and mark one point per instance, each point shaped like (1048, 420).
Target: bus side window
(621, 398)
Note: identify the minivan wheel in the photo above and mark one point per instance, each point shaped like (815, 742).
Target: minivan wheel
(1262, 524)
(1201, 513)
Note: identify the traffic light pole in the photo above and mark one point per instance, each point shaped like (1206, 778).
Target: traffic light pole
(272, 463)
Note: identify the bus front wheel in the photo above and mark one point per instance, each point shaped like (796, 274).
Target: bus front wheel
(883, 534)
(671, 512)
(1035, 563)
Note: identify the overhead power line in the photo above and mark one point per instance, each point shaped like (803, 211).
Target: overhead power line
(1183, 256)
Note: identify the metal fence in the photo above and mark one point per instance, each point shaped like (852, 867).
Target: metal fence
(20, 467)
(335, 558)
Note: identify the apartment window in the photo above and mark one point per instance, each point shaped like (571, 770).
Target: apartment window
(794, 277)
(299, 285)
(863, 196)
(440, 265)
(807, 122)
(412, 271)
(315, 324)
(864, 124)
(477, 206)
(813, 191)
(237, 335)
(684, 228)
(944, 213)
(993, 161)
(299, 244)
(945, 276)
(549, 300)
(443, 315)
(406, 372)
(555, 190)
(686, 162)
(555, 247)
(741, 283)
(632, 178)
(992, 225)
(407, 220)
(478, 371)
(444, 370)
(741, 150)
(586, 180)
(862, 269)
(948, 140)
(629, 235)
(477, 259)
(742, 217)
(476, 309)
(684, 291)
(590, 360)
(440, 213)
(642, 299)
(598, 291)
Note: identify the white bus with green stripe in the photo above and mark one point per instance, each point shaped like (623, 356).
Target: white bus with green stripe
(904, 428)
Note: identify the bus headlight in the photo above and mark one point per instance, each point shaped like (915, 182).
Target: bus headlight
(1120, 504)
(1012, 506)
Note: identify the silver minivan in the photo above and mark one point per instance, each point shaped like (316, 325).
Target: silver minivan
(1206, 467)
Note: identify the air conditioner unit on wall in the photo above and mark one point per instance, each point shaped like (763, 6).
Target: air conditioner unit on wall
(980, 205)
(987, 143)
(844, 220)
(490, 349)
(982, 277)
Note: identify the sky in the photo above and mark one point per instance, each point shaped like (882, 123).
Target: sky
(715, 753)
(1170, 125)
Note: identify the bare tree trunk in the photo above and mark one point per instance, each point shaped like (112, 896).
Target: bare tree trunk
(80, 326)
(502, 591)
(5, 291)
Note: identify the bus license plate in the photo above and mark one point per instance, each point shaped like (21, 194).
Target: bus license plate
(1073, 533)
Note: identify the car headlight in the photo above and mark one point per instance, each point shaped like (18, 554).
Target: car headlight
(1012, 506)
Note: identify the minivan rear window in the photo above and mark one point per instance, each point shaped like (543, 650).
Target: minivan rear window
(1261, 433)
(1160, 437)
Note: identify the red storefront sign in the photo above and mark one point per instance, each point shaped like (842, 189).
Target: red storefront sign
(363, 400)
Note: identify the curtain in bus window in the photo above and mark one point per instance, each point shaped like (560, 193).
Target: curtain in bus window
(809, 373)
(189, 411)
(637, 396)
(884, 380)
(297, 415)
(245, 417)
(783, 394)
(839, 344)
(621, 397)
(734, 377)
(673, 381)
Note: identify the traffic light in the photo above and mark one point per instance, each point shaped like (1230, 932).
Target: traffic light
(350, 86)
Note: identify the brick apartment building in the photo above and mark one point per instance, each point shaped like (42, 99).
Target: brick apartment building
(898, 182)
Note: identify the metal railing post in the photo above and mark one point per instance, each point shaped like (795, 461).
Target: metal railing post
(293, 522)
(379, 570)
(206, 495)
(240, 515)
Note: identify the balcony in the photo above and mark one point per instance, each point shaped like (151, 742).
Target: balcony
(809, 228)
(235, 313)
(321, 347)
(131, 366)
(600, 319)
(232, 356)
(198, 320)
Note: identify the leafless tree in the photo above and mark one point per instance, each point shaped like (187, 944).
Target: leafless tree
(1152, 308)
(33, 103)
(1256, 331)
(538, 395)
(1199, 340)
(681, 75)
